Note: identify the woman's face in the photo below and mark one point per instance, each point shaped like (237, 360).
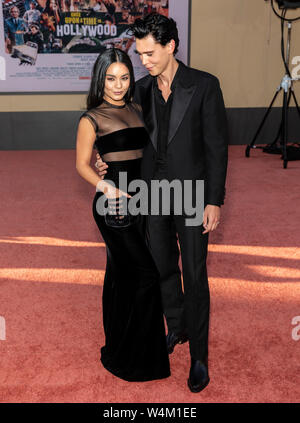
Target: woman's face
(117, 82)
(53, 5)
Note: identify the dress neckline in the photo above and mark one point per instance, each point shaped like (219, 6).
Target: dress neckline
(114, 105)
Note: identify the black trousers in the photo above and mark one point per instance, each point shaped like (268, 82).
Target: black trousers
(186, 305)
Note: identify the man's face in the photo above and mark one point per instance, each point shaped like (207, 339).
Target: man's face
(131, 19)
(33, 30)
(153, 55)
(15, 12)
(32, 5)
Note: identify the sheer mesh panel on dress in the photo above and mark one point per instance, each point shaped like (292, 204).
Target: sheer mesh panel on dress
(120, 132)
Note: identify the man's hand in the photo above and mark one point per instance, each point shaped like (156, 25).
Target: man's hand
(211, 218)
(101, 166)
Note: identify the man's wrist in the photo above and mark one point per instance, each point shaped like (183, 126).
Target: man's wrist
(214, 205)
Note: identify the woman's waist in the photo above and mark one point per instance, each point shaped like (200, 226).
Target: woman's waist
(124, 170)
(125, 155)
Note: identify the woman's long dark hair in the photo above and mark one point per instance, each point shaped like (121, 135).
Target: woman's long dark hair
(104, 60)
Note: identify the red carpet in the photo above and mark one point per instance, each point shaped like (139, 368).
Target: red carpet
(51, 272)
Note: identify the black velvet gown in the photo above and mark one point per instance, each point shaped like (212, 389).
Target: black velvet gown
(135, 345)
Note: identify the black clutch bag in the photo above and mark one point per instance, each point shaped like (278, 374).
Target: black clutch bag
(117, 215)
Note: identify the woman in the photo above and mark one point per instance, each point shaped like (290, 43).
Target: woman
(135, 347)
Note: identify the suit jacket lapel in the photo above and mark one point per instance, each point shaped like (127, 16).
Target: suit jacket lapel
(182, 97)
(150, 114)
(183, 94)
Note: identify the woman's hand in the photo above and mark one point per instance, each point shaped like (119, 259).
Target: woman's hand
(112, 192)
(109, 190)
(115, 198)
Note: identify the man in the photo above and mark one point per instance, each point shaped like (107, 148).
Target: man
(35, 35)
(14, 28)
(184, 113)
(124, 17)
(32, 15)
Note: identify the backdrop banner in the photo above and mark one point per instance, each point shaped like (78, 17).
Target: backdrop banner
(51, 45)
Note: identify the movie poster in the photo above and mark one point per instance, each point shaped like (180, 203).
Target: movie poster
(51, 45)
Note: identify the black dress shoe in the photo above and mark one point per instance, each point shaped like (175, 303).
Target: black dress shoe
(173, 339)
(198, 378)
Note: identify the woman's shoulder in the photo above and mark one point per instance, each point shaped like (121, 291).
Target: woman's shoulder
(91, 115)
(96, 112)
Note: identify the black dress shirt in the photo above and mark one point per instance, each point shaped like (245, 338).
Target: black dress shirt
(163, 112)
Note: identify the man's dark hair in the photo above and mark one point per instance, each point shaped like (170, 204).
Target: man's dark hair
(162, 29)
(104, 60)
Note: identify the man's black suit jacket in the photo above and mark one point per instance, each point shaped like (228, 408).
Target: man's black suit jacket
(198, 134)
